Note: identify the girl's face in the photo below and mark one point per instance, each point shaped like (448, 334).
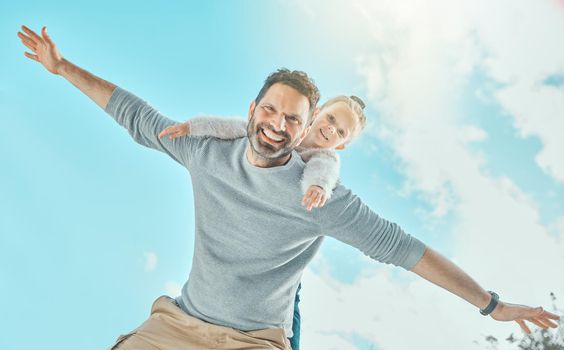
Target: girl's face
(332, 127)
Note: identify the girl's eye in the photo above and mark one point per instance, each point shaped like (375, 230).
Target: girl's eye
(331, 118)
(342, 132)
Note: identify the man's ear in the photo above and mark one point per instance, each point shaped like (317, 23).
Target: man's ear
(314, 115)
(304, 134)
(251, 110)
(341, 147)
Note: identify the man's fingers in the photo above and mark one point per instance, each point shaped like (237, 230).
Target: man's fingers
(523, 326)
(549, 323)
(537, 322)
(29, 46)
(29, 43)
(535, 312)
(46, 36)
(26, 38)
(550, 315)
(33, 57)
(32, 34)
(23, 36)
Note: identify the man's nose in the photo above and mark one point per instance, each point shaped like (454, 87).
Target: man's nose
(278, 123)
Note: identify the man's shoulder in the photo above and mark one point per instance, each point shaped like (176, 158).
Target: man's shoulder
(342, 200)
(211, 152)
(341, 192)
(214, 143)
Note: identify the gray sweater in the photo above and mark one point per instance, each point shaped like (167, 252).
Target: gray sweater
(253, 239)
(322, 168)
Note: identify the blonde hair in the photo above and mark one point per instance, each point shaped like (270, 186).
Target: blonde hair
(357, 106)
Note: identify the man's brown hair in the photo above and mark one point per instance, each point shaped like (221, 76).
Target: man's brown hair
(295, 79)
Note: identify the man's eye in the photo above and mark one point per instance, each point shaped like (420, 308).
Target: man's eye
(268, 108)
(293, 119)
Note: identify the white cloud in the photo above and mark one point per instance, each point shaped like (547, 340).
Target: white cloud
(560, 227)
(472, 133)
(538, 110)
(150, 261)
(390, 315)
(522, 41)
(421, 59)
(173, 289)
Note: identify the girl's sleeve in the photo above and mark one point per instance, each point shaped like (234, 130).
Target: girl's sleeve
(221, 128)
(322, 169)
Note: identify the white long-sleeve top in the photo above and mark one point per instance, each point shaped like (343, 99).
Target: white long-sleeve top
(322, 168)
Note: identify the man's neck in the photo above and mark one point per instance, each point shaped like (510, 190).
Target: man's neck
(262, 162)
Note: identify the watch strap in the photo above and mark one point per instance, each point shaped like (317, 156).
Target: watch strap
(491, 306)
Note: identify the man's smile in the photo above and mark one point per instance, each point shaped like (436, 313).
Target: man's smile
(271, 136)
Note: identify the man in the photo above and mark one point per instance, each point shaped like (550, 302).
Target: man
(253, 239)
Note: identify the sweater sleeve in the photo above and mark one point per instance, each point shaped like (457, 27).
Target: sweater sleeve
(144, 123)
(346, 218)
(221, 128)
(322, 169)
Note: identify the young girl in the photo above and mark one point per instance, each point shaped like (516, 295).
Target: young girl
(337, 122)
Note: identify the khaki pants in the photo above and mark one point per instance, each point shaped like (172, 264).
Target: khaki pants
(170, 328)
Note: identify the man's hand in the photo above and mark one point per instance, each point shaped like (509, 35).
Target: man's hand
(314, 198)
(177, 130)
(45, 51)
(444, 273)
(521, 313)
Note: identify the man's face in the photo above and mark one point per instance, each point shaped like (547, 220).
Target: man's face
(277, 123)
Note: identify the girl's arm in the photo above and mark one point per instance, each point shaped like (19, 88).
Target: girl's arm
(222, 128)
(320, 176)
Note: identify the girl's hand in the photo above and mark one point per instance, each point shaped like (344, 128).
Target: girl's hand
(175, 131)
(314, 197)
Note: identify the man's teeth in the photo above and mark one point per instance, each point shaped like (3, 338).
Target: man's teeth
(272, 135)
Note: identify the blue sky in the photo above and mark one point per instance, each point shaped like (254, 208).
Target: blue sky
(93, 227)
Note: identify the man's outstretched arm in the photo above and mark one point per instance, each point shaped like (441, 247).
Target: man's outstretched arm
(142, 121)
(46, 53)
(442, 272)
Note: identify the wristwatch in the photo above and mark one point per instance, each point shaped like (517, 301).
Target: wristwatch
(491, 306)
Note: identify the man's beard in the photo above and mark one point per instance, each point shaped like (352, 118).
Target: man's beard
(266, 150)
